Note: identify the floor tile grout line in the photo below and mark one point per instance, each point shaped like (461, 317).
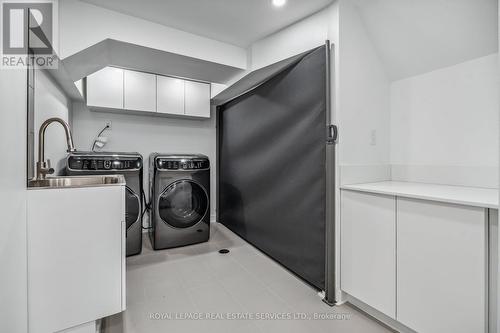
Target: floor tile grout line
(245, 258)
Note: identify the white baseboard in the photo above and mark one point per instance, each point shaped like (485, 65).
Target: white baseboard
(90, 327)
(379, 316)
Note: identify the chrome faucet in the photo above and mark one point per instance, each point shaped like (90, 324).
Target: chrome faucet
(43, 166)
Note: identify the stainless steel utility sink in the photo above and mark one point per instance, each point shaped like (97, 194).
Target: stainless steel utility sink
(74, 182)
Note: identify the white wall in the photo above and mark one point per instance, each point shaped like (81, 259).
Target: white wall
(13, 262)
(363, 103)
(50, 101)
(311, 32)
(416, 37)
(304, 35)
(148, 134)
(438, 127)
(82, 25)
(444, 125)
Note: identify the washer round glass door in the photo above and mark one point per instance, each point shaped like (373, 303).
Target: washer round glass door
(183, 204)
(132, 207)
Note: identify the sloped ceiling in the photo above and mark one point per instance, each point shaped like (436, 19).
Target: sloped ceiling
(418, 36)
(238, 22)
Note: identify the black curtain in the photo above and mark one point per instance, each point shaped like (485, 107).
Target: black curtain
(271, 158)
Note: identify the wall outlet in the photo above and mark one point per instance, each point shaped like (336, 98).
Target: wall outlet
(109, 124)
(373, 138)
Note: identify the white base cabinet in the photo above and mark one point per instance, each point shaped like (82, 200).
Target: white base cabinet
(422, 263)
(442, 265)
(76, 256)
(368, 249)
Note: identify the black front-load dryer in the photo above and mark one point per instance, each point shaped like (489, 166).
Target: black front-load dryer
(113, 163)
(180, 200)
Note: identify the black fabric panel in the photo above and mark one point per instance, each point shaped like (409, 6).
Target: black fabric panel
(255, 78)
(272, 167)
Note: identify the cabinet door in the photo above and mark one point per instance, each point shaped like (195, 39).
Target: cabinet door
(441, 267)
(139, 91)
(170, 95)
(75, 256)
(105, 88)
(197, 99)
(368, 249)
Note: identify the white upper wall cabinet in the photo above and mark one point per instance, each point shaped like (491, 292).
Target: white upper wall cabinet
(139, 91)
(105, 88)
(127, 90)
(170, 95)
(197, 97)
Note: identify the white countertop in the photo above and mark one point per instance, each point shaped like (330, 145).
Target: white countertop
(469, 196)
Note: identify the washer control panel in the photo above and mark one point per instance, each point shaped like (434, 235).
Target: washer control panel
(182, 164)
(104, 163)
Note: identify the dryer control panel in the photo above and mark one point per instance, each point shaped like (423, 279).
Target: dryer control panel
(182, 164)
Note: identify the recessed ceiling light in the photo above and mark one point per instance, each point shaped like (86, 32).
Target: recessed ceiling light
(279, 3)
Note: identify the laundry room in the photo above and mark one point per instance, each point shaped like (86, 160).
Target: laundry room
(250, 166)
(145, 135)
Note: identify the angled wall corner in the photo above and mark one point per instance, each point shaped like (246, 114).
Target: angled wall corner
(111, 52)
(88, 61)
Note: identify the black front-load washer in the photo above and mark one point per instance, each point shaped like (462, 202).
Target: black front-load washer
(180, 199)
(113, 163)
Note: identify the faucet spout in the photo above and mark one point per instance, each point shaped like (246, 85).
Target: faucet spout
(42, 166)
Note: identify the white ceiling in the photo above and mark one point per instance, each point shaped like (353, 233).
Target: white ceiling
(418, 36)
(238, 22)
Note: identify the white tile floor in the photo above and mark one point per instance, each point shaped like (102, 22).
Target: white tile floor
(197, 279)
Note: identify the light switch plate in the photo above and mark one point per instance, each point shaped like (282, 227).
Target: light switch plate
(373, 138)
